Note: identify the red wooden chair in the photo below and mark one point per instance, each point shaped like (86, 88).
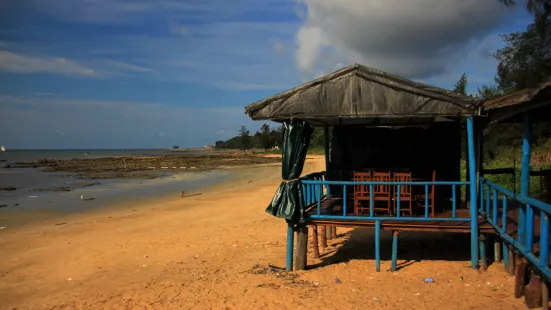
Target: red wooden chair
(382, 192)
(361, 192)
(421, 198)
(406, 194)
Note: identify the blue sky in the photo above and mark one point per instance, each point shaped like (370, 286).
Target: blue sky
(158, 73)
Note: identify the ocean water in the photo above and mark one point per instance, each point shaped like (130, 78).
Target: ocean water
(13, 156)
(30, 183)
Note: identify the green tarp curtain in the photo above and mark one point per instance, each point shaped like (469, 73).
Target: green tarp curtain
(288, 200)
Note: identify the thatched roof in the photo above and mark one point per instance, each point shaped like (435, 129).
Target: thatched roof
(510, 108)
(360, 93)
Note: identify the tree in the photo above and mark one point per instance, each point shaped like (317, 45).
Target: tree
(219, 144)
(245, 137)
(317, 137)
(461, 85)
(488, 92)
(265, 137)
(277, 136)
(540, 9)
(524, 61)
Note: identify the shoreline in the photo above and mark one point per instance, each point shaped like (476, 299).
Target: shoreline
(166, 188)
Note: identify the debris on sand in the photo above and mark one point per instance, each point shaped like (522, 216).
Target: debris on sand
(290, 278)
(8, 188)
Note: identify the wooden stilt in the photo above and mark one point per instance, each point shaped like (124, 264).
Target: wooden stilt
(483, 259)
(532, 293)
(395, 235)
(323, 235)
(511, 262)
(334, 232)
(544, 295)
(505, 251)
(520, 274)
(290, 247)
(497, 250)
(302, 248)
(315, 244)
(329, 233)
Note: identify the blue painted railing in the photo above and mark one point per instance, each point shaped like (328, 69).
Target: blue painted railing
(314, 185)
(494, 207)
(314, 194)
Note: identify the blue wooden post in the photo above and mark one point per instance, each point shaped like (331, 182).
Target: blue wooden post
(290, 246)
(472, 186)
(327, 161)
(544, 239)
(378, 245)
(483, 258)
(524, 175)
(395, 235)
(505, 254)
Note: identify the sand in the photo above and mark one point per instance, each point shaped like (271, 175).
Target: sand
(214, 251)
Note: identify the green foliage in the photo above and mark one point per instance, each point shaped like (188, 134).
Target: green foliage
(461, 85)
(488, 92)
(525, 60)
(265, 138)
(245, 138)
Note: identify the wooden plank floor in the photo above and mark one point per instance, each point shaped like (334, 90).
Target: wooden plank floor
(334, 207)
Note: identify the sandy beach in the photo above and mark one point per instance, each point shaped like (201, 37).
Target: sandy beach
(220, 250)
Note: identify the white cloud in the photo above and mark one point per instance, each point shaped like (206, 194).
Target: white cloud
(414, 38)
(119, 66)
(19, 63)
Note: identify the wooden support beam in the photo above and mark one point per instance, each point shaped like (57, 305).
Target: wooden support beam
(377, 246)
(532, 294)
(323, 235)
(545, 295)
(315, 244)
(482, 240)
(520, 276)
(511, 262)
(290, 247)
(302, 248)
(505, 251)
(395, 235)
(329, 233)
(497, 249)
(333, 232)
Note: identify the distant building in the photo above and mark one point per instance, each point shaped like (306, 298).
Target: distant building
(208, 146)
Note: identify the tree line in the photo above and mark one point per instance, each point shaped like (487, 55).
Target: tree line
(266, 138)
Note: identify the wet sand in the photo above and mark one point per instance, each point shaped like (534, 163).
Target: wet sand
(120, 166)
(220, 250)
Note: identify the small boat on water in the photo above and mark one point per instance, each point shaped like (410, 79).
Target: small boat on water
(2, 148)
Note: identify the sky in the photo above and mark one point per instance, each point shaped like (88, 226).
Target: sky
(157, 73)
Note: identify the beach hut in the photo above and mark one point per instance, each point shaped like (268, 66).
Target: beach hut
(393, 160)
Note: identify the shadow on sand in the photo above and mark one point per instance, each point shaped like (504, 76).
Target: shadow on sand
(412, 247)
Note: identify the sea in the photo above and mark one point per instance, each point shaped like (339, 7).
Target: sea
(29, 155)
(33, 186)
